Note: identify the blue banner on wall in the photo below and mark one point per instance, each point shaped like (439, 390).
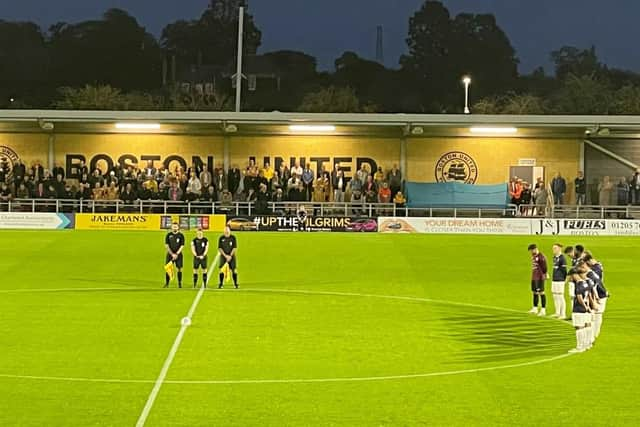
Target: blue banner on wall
(456, 195)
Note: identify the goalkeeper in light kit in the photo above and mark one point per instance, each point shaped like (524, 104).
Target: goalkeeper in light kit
(228, 246)
(200, 249)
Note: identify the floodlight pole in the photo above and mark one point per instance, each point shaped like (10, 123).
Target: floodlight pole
(467, 82)
(239, 64)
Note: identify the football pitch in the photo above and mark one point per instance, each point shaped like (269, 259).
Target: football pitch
(326, 329)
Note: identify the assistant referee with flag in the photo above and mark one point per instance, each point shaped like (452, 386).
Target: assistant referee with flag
(228, 246)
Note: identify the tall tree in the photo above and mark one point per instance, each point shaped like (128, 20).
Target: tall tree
(115, 51)
(211, 39)
(23, 62)
(569, 60)
(372, 82)
(583, 95)
(442, 50)
(333, 100)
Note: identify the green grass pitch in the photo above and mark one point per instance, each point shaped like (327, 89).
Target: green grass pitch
(311, 338)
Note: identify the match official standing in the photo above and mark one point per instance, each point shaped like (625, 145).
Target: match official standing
(200, 249)
(228, 246)
(174, 242)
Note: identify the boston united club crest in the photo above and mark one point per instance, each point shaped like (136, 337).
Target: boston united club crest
(8, 159)
(456, 166)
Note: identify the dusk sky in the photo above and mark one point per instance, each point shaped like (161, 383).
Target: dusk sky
(327, 28)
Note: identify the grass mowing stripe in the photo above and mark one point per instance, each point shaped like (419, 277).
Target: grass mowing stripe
(172, 353)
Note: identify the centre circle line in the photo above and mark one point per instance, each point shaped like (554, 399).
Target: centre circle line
(306, 380)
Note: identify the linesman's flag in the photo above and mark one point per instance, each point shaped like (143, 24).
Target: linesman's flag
(226, 270)
(170, 269)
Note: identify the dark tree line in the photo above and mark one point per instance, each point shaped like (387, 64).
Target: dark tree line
(114, 63)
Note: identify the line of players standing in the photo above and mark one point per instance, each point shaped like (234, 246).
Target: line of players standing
(586, 289)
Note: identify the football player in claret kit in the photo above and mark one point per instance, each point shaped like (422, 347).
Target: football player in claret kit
(581, 316)
(558, 280)
(174, 243)
(200, 249)
(228, 246)
(538, 276)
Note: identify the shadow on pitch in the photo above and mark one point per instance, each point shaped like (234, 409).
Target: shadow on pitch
(500, 336)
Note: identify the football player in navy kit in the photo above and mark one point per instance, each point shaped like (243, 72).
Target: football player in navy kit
(558, 281)
(228, 246)
(538, 276)
(581, 316)
(174, 243)
(601, 293)
(200, 249)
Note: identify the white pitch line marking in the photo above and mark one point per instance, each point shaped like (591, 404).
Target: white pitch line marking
(172, 353)
(321, 380)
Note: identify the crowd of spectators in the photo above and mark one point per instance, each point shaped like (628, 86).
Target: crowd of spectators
(257, 185)
(605, 192)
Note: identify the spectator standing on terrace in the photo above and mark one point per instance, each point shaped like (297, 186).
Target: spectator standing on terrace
(194, 187)
(525, 199)
(635, 187)
(58, 170)
(23, 192)
(39, 192)
(19, 173)
(150, 170)
(400, 201)
(112, 192)
(174, 193)
(515, 192)
(262, 180)
(356, 199)
(206, 179)
(321, 192)
(97, 192)
(378, 177)
(84, 191)
(83, 169)
(262, 200)
(580, 186)
(275, 183)
(384, 194)
(559, 188)
(59, 185)
(285, 174)
(128, 195)
(5, 195)
(356, 185)
(370, 186)
(623, 192)
(394, 178)
(233, 180)
(37, 171)
(338, 183)
(268, 171)
(363, 173)
(540, 197)
(605, 191)
(220, 183)
(307, 180)
(297, 169)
